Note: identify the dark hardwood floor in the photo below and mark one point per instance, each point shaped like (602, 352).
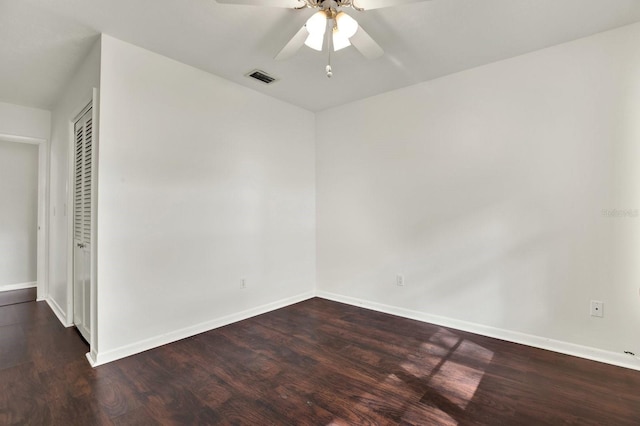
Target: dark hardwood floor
(313, 363)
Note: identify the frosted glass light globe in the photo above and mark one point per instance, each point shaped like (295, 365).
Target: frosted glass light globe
(339, 40)
(346, 24)
(317, 24)
(315, 41)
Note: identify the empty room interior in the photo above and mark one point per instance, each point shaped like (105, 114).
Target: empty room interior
(320, 212)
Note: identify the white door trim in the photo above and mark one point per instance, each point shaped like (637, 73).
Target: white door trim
(42, 266)
(95, 101)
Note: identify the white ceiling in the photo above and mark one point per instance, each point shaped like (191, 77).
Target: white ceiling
(43, 41)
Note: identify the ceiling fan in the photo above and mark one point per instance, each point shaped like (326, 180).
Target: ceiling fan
(343, 30)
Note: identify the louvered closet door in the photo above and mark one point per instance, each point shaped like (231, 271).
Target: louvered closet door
(83, 151)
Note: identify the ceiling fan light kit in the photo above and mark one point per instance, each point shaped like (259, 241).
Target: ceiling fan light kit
(342, 27)
(344, 30)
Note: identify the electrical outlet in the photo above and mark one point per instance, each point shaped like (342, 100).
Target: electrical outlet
(400, 280)
(597, 308)
(243, 283)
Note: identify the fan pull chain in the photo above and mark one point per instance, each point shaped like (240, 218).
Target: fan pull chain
(329, 46)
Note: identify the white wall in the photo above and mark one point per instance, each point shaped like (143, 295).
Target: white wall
(17, 120)
(18, 213)
(75, 96)
(486, 190)
(202, 182)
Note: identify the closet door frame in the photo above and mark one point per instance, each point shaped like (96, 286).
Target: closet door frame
(92, 102)
(82, 226)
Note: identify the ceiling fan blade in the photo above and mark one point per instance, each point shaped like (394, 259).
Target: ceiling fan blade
(366, 45)
(293, 45)
(287, 4)
(379, 4)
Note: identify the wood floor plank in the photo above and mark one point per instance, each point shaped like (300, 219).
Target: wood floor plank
(313, 363)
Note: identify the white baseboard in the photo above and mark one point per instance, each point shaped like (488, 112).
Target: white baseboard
(594, 354)
(58, 311)
(91, 357)
(20, 286)
(153, 342)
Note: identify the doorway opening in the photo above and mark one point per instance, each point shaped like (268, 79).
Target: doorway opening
(29, 226)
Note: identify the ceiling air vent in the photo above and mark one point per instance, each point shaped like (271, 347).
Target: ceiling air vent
(261, 76)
